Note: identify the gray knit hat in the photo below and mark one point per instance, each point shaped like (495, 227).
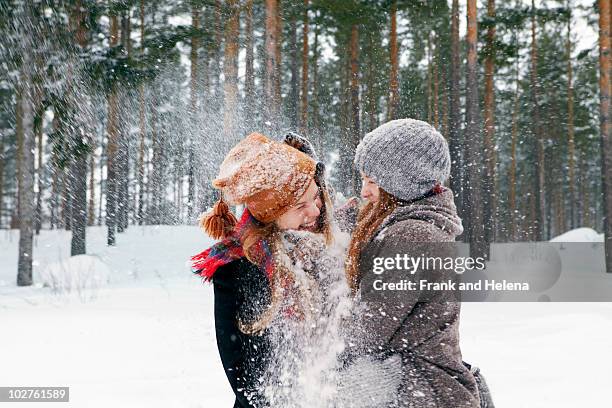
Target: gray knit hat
(405, 157)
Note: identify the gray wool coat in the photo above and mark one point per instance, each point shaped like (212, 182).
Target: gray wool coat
(423, 327)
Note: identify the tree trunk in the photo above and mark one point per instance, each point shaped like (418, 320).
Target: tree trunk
(101, 168)
(538, 221)
(142, 118)
(111, 149)
(560, 213)
(78, 165)
(230, 70)
(473, 151)
(429, 80)
(454, 131)
(278, 68)
(55, 182)
(514, 219)
(26, 174)
(66, 200)
(123, 156)
(38, 112)
(436, 86)
(489, 193)
(304, 94)
(272, 103)
(91, 208)
(606, 145)
(39, 170)
(155, 183)
(571, 147)
(346, 154)
(355, 110)
(294, 93)
(316, 122)
(371, 78)
(549, 176)
(394, 65)
(195, 45)
(249, 75)
(585, 191)
(444, 82)
(19, 136)
(216, 52)
(78, 183)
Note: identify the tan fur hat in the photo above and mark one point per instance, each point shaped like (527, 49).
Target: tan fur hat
(267, 176)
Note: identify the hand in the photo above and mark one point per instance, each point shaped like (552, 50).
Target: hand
(304, 248)
(370, 382)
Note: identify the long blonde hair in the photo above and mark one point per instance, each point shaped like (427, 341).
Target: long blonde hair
(368, 220)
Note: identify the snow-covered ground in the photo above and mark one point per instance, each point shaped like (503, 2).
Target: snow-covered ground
(142, 333)
(579, 235)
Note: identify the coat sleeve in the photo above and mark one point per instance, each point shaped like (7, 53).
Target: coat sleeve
(234, 346)
(386, 313)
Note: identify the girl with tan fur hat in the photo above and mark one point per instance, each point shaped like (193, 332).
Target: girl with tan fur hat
(255, 285)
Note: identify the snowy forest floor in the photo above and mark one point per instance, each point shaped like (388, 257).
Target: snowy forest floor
(145, 337)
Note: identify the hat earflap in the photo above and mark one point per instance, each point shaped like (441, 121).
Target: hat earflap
(219, 222)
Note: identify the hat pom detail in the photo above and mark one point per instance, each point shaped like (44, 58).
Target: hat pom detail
(219, 222)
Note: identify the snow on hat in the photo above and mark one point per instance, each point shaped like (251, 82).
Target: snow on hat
(405, 157)
(267, 176)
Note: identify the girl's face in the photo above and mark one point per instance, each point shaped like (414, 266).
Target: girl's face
(369, 189)
(305, 213)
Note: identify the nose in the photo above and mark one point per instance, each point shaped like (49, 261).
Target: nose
(364, 192)
(313, 210)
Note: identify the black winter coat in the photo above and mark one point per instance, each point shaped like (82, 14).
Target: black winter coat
(241, 292)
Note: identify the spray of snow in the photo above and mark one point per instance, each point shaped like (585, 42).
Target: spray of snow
(303, 371)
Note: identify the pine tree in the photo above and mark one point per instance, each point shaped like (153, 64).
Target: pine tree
(249, 74)
(394, 64)
(230, 70)
(355, 135)
(272, 70)
(538, 204)
(455, 142)
(111, 150)
(142, 125)
(193, 111)
(513, 219)
(490, 159)
(570, 123)
(304, 85)
(473, 143)
(80, 149)
(124, 141)
(606, 146)
(26, 165)
(293, 97)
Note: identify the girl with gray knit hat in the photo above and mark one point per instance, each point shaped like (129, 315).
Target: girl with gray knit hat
(403, 165)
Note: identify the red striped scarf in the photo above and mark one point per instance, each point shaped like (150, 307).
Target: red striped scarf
(230, 249)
